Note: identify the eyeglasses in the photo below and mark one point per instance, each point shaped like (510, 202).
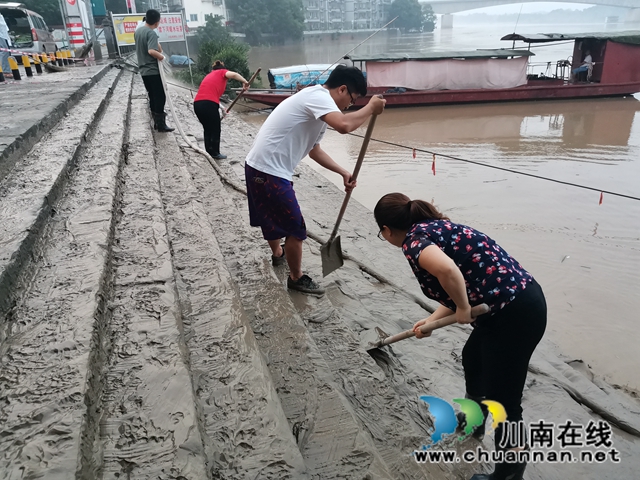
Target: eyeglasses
(380, 235)
(351, 97)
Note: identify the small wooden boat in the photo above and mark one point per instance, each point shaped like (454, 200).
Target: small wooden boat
(500, 75)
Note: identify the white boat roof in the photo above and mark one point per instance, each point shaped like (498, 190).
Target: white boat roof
(472, 54)
(311, 67)
(628, 36)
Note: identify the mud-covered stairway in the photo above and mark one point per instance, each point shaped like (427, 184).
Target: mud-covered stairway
(144, 333)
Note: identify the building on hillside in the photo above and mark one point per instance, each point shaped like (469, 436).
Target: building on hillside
(332, 15)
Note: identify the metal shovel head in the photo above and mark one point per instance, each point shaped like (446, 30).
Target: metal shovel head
(373, 339)
(331, 253)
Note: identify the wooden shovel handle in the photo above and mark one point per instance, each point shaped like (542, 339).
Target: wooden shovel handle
(431, 326)
(354, 175)
(253, 77)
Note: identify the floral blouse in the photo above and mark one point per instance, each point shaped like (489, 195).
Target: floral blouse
(490, 274)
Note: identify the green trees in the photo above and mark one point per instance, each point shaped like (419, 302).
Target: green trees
(428, 18)
(278, 19)
(49, 9)
(120, 6)
(217, 44)
(411, 16)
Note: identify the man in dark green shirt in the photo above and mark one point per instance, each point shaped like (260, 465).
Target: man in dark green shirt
(149, 53)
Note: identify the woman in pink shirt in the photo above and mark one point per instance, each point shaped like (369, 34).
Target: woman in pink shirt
(207, 105)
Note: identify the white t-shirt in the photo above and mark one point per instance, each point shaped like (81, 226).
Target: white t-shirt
(291, 131)
(4, 30)
(588, 60)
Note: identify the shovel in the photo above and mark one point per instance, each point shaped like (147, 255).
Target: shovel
(384, 339)
(331, 252)
(253, 77)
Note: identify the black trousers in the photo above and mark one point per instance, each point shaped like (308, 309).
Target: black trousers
(157, 97)
(208, 113)
(497, 353)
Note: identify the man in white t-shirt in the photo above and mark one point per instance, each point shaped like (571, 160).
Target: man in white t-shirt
(5, 43)
(293, 131)
(586, 64)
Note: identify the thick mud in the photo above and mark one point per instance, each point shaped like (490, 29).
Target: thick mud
(383, 394)
(53, 348)
(146, 334)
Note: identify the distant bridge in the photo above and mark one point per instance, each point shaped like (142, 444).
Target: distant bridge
(454, 6)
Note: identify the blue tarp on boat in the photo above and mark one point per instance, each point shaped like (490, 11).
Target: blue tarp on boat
(303, 75)
(180, 61)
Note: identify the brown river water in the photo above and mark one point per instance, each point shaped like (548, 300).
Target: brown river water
(586, 256)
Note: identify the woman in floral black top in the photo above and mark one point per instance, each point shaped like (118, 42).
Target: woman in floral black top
(460, 267)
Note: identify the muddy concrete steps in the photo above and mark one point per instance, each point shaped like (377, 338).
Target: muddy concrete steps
(356, 376)
(334, 444)
(242, 423)
(382, 393)
(395, 422)
(149, 423)
(34, 106)
(29, 191)
(60, 204)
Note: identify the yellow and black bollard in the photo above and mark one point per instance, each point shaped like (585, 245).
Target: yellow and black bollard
(65, 57)
(45, 58)
(14, 68)
(59, 58)
(26, 63)
(36, 63)
(1, 74)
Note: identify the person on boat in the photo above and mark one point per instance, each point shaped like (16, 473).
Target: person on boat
(293, 131)
(585, 66)
(207, 105)
(460, 267)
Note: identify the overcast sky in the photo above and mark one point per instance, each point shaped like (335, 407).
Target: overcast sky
(527, 8)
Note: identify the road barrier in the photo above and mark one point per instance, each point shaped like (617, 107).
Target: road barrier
(26, 63)
(32, 60)
(14, 68)
(36, 64)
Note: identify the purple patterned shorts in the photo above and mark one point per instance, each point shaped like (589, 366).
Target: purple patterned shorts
(273, 206)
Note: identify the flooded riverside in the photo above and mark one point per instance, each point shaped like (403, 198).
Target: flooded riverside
(144, 332)
(586, 256)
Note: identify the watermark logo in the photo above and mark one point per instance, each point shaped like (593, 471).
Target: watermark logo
(536, 442)
(445, 420)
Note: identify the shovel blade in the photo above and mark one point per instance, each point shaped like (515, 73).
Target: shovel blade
(373, 339)
(331, 254)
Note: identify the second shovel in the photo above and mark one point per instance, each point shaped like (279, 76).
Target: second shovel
(331, 252)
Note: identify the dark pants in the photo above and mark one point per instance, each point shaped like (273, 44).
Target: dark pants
(157, 97)
(208, 113)
(273, 206)
(497, 353)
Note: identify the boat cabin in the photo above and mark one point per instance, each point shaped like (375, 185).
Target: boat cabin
(615, 55)
(477, 69)
(502, 75)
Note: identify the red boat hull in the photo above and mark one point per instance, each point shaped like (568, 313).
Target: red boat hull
(534, 90)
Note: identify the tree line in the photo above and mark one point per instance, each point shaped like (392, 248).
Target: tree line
(50, 9)
(272, 21)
